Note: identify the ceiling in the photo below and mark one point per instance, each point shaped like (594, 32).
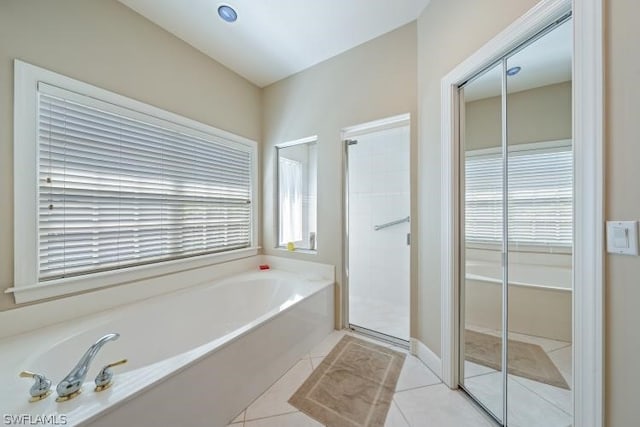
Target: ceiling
(544, 62)
(273, 39)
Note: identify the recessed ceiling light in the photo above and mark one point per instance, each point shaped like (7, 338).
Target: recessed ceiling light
(227, 13)
(513, 71)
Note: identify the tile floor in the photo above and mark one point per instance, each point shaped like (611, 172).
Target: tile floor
(531, 403)
(420, 399)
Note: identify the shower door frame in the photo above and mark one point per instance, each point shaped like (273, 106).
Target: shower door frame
(588, 298)
(347, 134)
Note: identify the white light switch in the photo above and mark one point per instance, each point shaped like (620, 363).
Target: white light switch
(622, 237)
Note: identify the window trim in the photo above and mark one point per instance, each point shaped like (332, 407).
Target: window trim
(26, 286)
(307, 140)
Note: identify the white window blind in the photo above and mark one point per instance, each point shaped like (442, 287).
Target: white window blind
(117, 190)
(540, 188)
(483, 198)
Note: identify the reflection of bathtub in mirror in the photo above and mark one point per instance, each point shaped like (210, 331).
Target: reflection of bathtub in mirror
(537, 276)
(539, 298)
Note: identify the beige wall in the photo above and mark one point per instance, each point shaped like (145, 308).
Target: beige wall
(372, 81)
(448, 32)
(622, 141)
(106, 44)
(540, 114)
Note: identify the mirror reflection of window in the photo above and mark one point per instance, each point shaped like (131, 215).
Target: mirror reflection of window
(297, 183)
(540, 200)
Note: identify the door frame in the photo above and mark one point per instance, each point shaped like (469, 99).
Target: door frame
(588, 255)
(346, 134)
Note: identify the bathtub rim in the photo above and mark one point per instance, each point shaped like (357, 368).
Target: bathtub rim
(31, 317)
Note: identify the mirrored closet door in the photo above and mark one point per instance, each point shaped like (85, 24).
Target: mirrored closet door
(516, 238)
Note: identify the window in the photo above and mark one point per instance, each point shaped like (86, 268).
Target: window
(297, 182)
(119, 186)
(540, 195)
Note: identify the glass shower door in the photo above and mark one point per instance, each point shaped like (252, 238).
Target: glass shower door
(378, 194)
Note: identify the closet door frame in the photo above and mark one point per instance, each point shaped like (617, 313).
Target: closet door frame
(588, 262)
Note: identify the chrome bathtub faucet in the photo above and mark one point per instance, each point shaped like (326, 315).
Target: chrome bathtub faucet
(40, 388)
(104, 379)
(69, 387)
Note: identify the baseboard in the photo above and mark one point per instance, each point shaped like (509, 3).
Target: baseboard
(428, 357)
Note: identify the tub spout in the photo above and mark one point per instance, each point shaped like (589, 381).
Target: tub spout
(70, 385)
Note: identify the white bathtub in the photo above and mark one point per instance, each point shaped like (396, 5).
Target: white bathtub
(197, 357)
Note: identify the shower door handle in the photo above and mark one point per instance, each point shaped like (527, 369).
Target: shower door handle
(391, 224)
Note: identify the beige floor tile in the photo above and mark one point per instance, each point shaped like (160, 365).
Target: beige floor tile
(415, 374)
(546, 343)
(473, 370)
(439, 406)
(295, 419)
(526, 408)
(563, 360)
(326, 345)
(315, 361)
(239, 418)
(274, 400)
(556, 396)
(395, 417)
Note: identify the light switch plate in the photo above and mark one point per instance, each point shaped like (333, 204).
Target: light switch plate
(622, 237)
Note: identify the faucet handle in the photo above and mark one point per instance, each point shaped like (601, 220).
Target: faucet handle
(105, 376)
(40, 389)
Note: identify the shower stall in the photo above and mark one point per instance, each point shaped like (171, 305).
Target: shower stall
(377, 229)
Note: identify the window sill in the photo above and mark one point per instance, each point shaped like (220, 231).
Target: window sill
(71, 285)
(298, 250)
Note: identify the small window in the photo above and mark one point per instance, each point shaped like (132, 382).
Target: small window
(540, 184)
(106, 184)
(297, 183)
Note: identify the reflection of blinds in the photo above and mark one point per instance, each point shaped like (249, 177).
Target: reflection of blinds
(540, 197)
(116, 191)
(483, 196)
(290, 189)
